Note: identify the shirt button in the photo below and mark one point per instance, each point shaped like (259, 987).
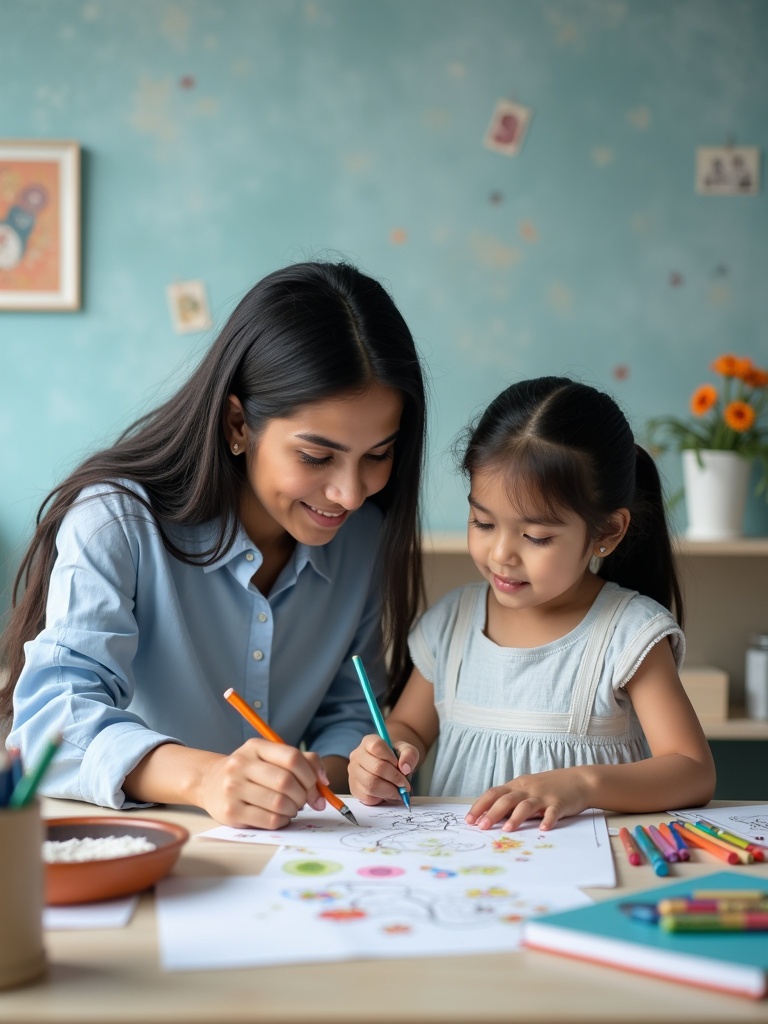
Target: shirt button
(258, 655)
(249, 556)
(263, 616)
(257, 704)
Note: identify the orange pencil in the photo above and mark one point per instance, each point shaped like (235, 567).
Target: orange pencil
(697, 839)
(269, 733)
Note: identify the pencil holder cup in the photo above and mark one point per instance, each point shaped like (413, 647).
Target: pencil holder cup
(22, 881)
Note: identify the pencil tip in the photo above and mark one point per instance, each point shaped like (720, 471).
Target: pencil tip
(348, 814)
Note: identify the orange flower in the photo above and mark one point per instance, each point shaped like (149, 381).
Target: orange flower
(739, 416)
(726, 365)
(703, 399)
(756, 377)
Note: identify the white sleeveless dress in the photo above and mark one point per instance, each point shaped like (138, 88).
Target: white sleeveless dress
(507, 711)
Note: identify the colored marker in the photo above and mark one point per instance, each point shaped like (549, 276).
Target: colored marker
(756, 895)
(376, 715)
(641, 911)
(674, 836)
(696, 838)
(744, 856)
(25, 789)
(757, 852)
(668, 849)
(744, 921)
(653, 854)
(269, 733)
(633, 854)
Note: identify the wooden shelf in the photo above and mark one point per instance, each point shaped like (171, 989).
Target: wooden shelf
(454, 542)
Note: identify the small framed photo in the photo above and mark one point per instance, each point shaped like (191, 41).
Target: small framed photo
(727, 170)
(188, 303)
(39, 225)
(508, 126)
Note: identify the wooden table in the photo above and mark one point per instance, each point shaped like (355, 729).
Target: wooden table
(114, 977)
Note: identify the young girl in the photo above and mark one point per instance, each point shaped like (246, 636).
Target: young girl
(553, 684)
(252, 532)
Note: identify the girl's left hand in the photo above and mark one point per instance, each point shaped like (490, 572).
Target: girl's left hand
(547, 795)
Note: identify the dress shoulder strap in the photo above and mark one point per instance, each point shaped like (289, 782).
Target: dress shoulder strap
(465, 614)
(591, 667)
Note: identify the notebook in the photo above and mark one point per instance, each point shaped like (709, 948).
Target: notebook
(735, 962)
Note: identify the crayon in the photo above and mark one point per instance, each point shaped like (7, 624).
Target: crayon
(632, 852)
(756, 895)
(744, 856)
(696, 838)
(668, 849)
(659, 865)
(674, 836)
(735, 921)
(757, 851)
(685, 905)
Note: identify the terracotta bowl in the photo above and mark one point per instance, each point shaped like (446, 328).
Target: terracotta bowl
(86, 881)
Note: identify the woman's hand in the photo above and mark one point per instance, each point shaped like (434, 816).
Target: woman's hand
(376, 772)
(547, 795)
(262, 785)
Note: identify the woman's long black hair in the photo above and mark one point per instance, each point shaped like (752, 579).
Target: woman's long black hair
(571, 447)
(303, 334)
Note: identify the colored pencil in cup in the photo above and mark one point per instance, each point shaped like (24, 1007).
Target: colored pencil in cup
(25, 789)
(377, 717)
(651, 851)
(269, 733)
(633, 854)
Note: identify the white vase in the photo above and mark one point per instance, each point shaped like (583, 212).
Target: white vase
(715, 494)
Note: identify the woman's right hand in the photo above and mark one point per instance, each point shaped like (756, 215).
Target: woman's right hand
(261, 785)
(376, 772)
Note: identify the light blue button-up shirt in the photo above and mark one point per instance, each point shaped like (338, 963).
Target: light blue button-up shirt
(139, 647)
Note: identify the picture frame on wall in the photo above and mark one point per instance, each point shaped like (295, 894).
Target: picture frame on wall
(39, 225)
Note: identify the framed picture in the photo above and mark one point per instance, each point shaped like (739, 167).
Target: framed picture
(39, 225)
(728, 170)
(188, 303)
(507, 129)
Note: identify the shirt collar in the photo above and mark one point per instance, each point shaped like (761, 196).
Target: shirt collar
(202, 536)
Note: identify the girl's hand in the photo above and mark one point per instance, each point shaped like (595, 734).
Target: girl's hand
(375, 772)
(547, 795)
(262, 785)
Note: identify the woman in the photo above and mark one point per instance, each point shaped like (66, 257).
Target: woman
(254, 531)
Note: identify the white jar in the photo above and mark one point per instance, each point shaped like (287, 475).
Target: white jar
(756, 677)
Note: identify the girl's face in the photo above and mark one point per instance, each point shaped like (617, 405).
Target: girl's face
(309, 471)
(527, 562)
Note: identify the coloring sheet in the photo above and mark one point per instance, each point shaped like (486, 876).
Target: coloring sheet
(575, 853)
(749, 821)
(344, 905)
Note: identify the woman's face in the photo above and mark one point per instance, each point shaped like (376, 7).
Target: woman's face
(308, 472)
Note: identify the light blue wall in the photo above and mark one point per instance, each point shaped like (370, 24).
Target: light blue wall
(322, 127)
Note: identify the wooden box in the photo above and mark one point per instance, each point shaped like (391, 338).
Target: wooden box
(707, 689)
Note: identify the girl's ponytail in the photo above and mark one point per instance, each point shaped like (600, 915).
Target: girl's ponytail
(645, 561)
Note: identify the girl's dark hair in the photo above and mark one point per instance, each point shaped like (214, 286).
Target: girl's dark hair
(571, 447)
(303, 334)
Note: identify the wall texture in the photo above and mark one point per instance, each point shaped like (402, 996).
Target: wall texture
(224, 139)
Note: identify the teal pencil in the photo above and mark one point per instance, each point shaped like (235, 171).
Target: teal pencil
(376, 715)
(25, 789)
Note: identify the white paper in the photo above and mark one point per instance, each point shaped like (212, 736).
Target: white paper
(342, 906)
(79, 916)
(748, 821)
(577, 852)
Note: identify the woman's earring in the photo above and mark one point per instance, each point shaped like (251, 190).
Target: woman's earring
(601, 549)
(236, 449)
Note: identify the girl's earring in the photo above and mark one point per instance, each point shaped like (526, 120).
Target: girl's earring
(601, 549)
(236, 449)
